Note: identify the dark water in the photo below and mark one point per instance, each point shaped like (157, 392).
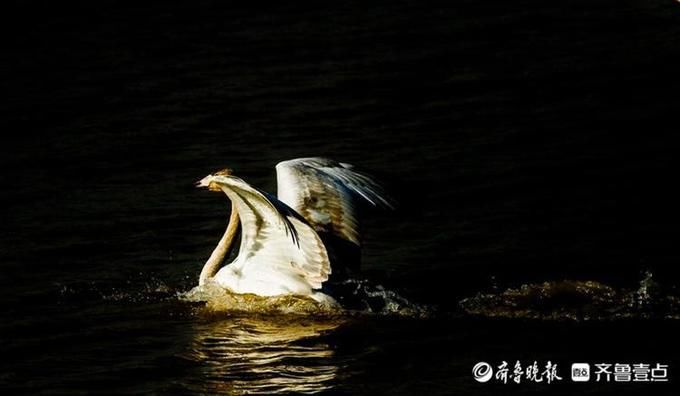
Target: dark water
(530, 143)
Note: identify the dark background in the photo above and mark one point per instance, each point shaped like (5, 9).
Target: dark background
(527, 141)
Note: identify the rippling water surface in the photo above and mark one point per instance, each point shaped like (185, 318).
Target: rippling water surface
(530, 145)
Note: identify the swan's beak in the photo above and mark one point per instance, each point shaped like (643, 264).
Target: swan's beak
(207, 182)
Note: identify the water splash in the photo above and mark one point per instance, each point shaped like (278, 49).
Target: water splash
(576, 300)
(363, 296)
(356, 296)
(647, 294)
(218, 299)
(151, 290)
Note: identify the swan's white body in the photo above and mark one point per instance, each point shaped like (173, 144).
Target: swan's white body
(281, 252)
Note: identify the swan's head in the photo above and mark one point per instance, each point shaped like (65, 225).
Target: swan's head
(211, 181)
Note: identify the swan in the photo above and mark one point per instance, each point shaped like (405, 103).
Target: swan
(289, 242)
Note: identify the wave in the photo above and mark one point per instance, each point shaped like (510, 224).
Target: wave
(263, 355)
(357, 297)
(576, 300)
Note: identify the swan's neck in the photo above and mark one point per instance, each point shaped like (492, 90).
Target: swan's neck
(221, 250)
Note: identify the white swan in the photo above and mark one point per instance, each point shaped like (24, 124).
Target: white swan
(282, 251)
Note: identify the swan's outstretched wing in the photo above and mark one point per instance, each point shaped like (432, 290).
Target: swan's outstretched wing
(276, 242)
(326, 193)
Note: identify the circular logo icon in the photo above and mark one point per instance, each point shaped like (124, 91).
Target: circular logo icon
(482, 372)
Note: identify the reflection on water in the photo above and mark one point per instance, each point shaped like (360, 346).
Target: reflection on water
(263, 355)
(249, 344)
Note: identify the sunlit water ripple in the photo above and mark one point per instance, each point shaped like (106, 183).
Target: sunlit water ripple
(263, 355)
